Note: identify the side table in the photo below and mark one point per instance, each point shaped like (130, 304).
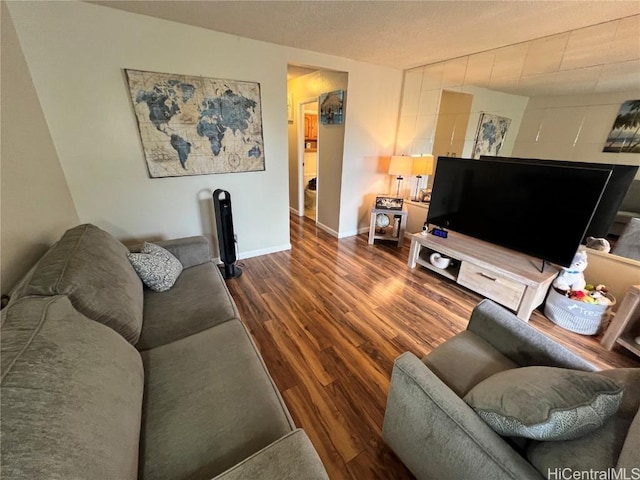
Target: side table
(395, 230)
(625, 325)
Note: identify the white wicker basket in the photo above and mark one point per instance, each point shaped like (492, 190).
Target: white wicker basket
(576, 316)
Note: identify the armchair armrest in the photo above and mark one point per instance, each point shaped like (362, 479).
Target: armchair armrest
(519, 341)
(290, 458)
(437, 435)
(190, 251)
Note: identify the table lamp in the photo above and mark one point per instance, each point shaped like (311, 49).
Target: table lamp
(400, 165)
(422, 165)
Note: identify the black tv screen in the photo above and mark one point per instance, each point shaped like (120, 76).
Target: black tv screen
(612, 197)
(540, 210)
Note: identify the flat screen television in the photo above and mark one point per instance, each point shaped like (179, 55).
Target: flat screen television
(612, 197)
(537, 209)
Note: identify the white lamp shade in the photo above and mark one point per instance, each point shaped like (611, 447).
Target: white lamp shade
(422, 165)
(400, 165)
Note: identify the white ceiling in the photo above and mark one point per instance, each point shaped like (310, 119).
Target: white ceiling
(405, 34)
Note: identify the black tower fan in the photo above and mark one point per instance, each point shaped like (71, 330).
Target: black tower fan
(226, 237)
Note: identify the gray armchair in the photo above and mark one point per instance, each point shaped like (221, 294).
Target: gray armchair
(437, 435)
(628, 245)
(629, 209)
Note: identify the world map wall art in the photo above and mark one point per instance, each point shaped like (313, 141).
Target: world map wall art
(196, 125)
(491, 134)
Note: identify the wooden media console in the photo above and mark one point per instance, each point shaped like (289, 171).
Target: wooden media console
(507, 277)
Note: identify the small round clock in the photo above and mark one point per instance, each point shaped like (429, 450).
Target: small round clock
(382, 220)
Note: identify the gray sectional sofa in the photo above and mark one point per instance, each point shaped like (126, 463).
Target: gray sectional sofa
(105, 379)
(440, 436)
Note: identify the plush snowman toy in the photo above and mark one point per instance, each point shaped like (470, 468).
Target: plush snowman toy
(572, 278)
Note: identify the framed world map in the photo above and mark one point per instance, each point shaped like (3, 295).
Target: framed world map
(195, 125)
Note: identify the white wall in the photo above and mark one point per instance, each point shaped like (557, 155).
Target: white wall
(374, 94)
(421, 100)
(36, 203)
(76, 53)
(572, 127)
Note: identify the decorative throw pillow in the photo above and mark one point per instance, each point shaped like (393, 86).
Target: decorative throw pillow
(156, 266)
(545, 403)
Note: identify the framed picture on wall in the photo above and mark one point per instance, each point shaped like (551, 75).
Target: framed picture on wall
(332, 107)
(290, 107)
(491, 134)
(625, 134)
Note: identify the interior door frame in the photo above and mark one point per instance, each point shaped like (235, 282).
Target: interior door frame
(301, 105)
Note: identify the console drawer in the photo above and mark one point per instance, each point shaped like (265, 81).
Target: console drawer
(502, 290)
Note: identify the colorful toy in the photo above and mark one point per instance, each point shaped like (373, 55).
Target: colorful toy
(572, 278)
(577, 294)
(599, 297)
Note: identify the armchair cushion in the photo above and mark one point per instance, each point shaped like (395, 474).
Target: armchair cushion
(465, 360)
(603, 448)
(546, 403)
(596, 451)
(437, 435)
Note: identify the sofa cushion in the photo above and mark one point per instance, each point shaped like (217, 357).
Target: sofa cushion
(157, 268)
(290, 458)
(198, 300)
(71, 394)
(191, 251)
(209, 404)
(465, 360)
(91, 267)
(545, 403)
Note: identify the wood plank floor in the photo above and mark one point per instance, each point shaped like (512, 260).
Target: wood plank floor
(331, 315)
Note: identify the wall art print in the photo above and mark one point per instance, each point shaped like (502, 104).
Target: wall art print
(290, 107)
(491, 134)
(197, 126)
(625, 133)
(332, 107)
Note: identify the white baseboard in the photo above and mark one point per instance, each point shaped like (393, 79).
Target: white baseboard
(350, 233)
(264, 251)
(329, 230)
(295, 211)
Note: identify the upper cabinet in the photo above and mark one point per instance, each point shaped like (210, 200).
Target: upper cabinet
(310, 126)
(451, 124)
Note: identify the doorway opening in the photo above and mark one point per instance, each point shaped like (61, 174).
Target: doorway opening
(308, 160)
(316, 149)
